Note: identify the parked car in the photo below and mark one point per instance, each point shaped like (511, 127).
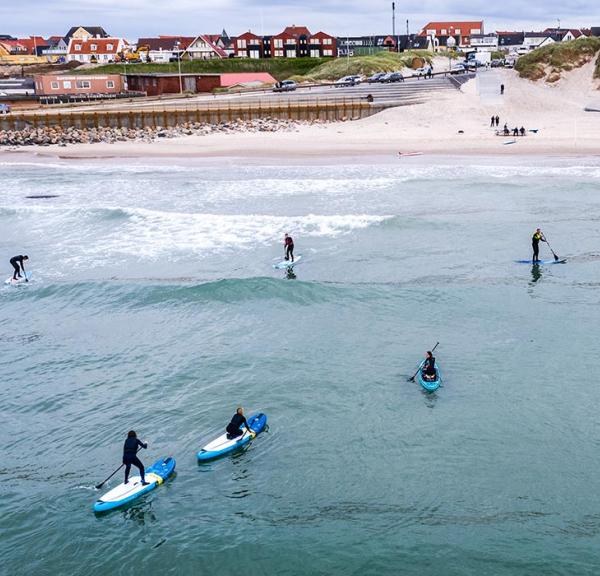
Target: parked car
(392, 77)
(497, 63)
(285, 86)
(458, 69)
(4, 108)
(376, 77)
(423, 71)
(352, 80)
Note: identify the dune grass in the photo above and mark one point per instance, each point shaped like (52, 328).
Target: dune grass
(550, 61)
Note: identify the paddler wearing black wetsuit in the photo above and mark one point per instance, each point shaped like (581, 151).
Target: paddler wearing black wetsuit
(234, 427)
(17, 261)
(535, 243)
(130, 448)
(429, 366)
(288, 244)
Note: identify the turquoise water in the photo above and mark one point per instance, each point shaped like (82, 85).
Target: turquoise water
(153, 306)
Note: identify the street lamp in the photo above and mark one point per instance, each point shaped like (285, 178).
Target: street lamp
(450, 44)
(177, 45)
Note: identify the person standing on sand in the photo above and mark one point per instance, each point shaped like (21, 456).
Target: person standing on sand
(497, 121)
(501, 89)
(493, 120)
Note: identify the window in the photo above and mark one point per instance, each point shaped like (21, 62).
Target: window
(109, 47)
(54, 85)
(315, 41)
(78, 47)
(110, 83)
(241, 43)
(66, 84)
(290, 53)
(315, 53)
(278, 53)
(254, 54)
(327, 41)
(83, 84)
(444, 32)
(278, 43)
(327, 52)
(93, 47)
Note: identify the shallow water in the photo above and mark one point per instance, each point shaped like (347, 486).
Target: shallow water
(153, 306)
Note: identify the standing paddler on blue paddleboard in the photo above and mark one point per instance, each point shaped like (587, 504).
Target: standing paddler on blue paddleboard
(535, 243)
(130, 448)
(288, 246)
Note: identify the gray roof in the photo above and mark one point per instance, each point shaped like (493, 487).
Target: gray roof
(96, 31)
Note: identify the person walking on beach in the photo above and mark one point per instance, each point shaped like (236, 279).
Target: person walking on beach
(234, 428)
(130, 448)
(501, 89)
(17, 264)
(493, 121)
(535, 243)
(288, 246)
(497, 121)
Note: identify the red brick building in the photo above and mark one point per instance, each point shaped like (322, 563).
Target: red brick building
(57, 84)
(293, 42)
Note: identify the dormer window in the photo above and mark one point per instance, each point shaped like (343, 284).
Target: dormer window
(109, 47)
(78, 47)
(94, 47)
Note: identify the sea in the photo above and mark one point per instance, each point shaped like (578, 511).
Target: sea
(153, 305)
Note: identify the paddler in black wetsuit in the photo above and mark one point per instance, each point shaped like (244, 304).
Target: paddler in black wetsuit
(288, 244)
(17, 261)
(428, 369)
(132, 443)
(234, 427)
(535, 243)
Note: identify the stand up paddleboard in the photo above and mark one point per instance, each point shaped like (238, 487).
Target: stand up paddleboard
(18, 281)
(125, 493)
(223, 445)
(284, 264)
(563, 261)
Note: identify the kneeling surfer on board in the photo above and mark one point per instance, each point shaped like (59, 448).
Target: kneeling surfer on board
(132, 443)
(17, 261)
(428, 369)
(288, 244)
(535, 243)
(234, 427)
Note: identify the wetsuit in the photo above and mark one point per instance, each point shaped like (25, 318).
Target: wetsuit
(289, 248)
(17, 261)
(234, 427)
(429, 368)
(535, 243)
(130, 457)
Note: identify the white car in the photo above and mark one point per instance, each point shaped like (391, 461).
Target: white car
(352, 80)
(423, 71)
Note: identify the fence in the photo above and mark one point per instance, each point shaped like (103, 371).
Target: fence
(211, 114)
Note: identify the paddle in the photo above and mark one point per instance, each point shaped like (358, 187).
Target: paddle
(415, 374)
(556, 258)
(26, 279)
(98, 486)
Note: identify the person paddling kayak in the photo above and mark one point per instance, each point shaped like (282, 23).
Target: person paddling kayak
(17, 264)
(234, 428)
(535, 243)
(288, 244)
(428, 369)
(132, 443)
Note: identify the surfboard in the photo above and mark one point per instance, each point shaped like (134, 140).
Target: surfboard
(223, 445)
(287, 263)
(18, 281)
(563, 261)
(125, 493)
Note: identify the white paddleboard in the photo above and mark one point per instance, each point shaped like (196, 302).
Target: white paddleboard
(124, 492)
(284, 264)
(224, 444)
(17, 282)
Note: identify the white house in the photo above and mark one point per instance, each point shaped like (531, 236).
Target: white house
(100, 50)
(202, 48)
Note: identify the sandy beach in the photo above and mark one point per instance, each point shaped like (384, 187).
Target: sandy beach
(447, 123)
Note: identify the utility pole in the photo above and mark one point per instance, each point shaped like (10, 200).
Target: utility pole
(394, 24)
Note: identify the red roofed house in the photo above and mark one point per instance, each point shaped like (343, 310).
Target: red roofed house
(322, 45)
(249, 45)
(461, 29)
(291, 43)
(203, 48)
(92, 50)
(33, 45)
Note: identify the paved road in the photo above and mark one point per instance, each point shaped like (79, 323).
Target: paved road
(397, 94)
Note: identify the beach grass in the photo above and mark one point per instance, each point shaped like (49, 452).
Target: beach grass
(550, 61)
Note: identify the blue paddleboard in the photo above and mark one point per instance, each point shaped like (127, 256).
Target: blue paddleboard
(125, 493)
(223, 444)
(563, 261)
